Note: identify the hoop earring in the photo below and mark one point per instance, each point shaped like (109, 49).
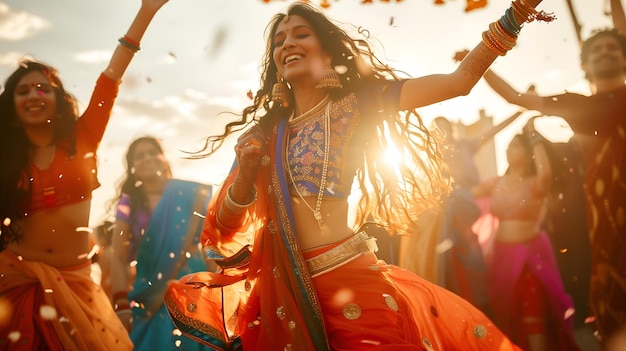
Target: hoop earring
(280, 92)
(330, 80)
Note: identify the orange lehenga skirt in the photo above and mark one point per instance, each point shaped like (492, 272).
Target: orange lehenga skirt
(368, 303)
(46, 308)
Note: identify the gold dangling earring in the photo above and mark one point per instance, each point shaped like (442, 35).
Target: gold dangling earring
(280, 92)
(330, 80)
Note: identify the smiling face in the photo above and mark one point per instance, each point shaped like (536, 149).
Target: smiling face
(604, 58)
(298, 52)
(35, 100)
(147, 161)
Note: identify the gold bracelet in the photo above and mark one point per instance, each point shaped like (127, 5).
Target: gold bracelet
(491, 45)
(507, 42)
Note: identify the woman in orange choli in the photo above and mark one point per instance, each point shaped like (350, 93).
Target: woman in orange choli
(526, 293)
(47, 174)
(329, 113)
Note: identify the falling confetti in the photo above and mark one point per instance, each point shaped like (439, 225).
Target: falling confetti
(84, 229)
(444, 246)
(47, 312)
(217, 42)
(568, 313)
(14, 336)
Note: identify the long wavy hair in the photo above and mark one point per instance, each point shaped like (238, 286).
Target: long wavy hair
(14, 145)
(129, 184)
(392, 195)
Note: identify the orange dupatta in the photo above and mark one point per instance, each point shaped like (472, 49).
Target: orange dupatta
(276, 305)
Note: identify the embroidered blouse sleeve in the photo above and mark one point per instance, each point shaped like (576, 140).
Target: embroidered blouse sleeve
(91, 125)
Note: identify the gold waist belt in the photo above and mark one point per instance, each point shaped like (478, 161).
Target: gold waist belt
(341, 254)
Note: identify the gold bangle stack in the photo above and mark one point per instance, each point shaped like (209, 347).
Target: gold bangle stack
(498, 40)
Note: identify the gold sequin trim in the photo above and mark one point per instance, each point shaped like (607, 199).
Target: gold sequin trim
(391, 302)
(280, 312)
(427, 343)
(351, 311)
(480, 331)
(265, 161)
(192, 307)
(291, 325)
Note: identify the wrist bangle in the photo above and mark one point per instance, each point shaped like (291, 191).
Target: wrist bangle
(131, 44)
(229, 199)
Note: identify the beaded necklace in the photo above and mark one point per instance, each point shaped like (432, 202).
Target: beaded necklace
(318, 205)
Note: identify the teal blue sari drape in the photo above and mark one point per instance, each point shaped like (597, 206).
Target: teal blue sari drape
(168, 250)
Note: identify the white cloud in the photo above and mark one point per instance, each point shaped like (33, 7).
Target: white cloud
(19, 25)
(93, 56)
(11, 58)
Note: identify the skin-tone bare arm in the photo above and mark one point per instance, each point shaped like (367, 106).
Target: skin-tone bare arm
(123, 55)
(542, 164)
(434, 88)
(431, 89)
(495, 130)
(618, 16)
(508, 93)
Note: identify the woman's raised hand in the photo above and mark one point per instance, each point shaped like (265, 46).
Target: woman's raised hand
(249, 150)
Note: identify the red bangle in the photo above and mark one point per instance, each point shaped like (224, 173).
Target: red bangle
(131, 41)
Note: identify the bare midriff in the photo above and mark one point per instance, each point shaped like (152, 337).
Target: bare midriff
(334, 226)
(58, 237)
(516, 231)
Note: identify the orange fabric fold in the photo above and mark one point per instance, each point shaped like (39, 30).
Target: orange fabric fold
(57, 309)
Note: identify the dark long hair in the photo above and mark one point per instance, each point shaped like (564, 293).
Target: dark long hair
(129, 184)
(14, 145)
(385, 195)
(558, 165)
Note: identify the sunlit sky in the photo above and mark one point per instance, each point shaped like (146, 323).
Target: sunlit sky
(200, 57)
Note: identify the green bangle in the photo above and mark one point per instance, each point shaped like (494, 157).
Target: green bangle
(129, 45)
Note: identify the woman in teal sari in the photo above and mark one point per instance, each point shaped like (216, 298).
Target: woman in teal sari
(155, 239)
